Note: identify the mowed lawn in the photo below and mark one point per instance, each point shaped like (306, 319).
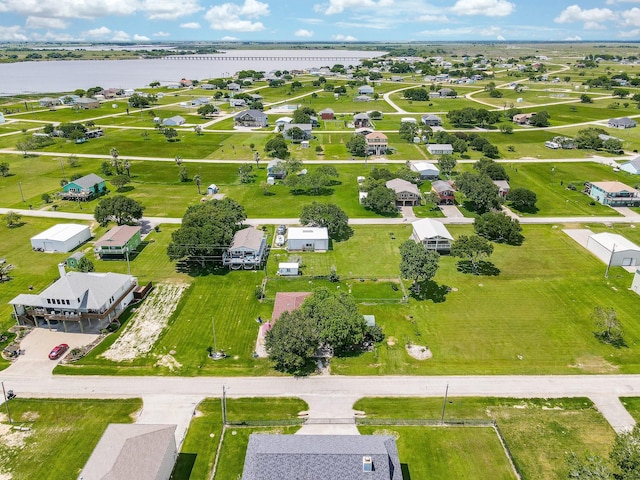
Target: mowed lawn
(62, 432)
(540, 433)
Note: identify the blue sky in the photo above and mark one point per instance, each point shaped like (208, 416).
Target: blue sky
(318, 20)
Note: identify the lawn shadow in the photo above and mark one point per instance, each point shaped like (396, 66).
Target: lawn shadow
(406, 475)
(431, 290)
(125, 189)
(16, 225)
(345, 234)
(532, 210)
(486, 269)
(193, 268)
(184, 466)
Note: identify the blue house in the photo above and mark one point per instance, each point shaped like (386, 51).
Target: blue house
(83, 188)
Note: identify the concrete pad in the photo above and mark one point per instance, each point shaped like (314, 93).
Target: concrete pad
(37, 345)
(169, 410)
(328, 429)
(451, 211)
(614, 412)
(580, 235)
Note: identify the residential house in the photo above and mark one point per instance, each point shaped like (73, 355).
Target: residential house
(440, 149)
(327, 114)
(83, 188)
(284, 302)
(365, 90)
(69, 99)
(632, 166)
(87, 103)
(432, 120)
(396, 78)
(523, 118)
(237, 102)
(248, 250)
(235, 87)
(377, 143)
(186, 83)
(447, 92)
(432, 234)
(90, 300)
(326, 457)
(133, 450)
(282, 121)
(62, 237)
(407, 193)
(408, 120)
(251, 118)
(614, 194)
(310, 239)
(109, 93)
(362, 98)
(624, 122)
(175, 121)
(503, 187)
(119, 241)
(445, 192)
(305, 127)
(427, 170)
(255, 97)
(48, 102)
(361, 120)
(275, 169)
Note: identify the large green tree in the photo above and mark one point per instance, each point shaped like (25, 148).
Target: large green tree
(381, 200)
(417, 263)
(447, 163)
(499, 227)
(292, 342)
(408, 131)
(357, 145)
(120, 209)
(206, 230)
(480, 190)
(327, 215)
(522, 199)
(472, 248)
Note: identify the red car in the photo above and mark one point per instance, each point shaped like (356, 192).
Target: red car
(58, 351)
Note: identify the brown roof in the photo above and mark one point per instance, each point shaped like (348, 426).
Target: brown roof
(117, 236)
(286, 302)
(614, 187)
(373, 135)
(247, 238)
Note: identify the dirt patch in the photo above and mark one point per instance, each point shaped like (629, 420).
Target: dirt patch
(168, 361)
(419, 352)
(594, 364)
(13, 438)
(391, 341)
(390, 433)
(147, 323)
(30, 416)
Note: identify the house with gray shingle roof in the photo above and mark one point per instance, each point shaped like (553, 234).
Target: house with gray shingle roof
(632, 166)
(251, 118)
(407, 193)
(326, 457)
(624, 122)
(84, 187)
(247, 250)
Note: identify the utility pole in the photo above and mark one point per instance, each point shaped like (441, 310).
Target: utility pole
(224, 405)
(444, 404)
(6, 402)
(62, 167)
(20, 187)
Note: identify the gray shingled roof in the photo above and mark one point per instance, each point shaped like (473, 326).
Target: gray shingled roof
(93, 289)
(325, 457)
(247, 238)
(88, 181)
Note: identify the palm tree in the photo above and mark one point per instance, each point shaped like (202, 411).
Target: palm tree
(114, 159)
(198, 181)
(127, 167)
(178, 160)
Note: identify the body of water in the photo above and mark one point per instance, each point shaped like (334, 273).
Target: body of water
(68, 75)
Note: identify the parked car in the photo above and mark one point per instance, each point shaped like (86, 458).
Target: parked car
(279, 240)
(281, 230)
(58, 351)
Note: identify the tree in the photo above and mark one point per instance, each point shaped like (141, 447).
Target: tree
(540, 119)
(480, 190)
(522, 199)
(612, 145)
(499, 227)
(408, 131)
(206, 230)
(114, 159)
(73, 161)
(170, 133)
(198, 181)
(245, 173)
(381, 200)
(626, 455)
(4, 169)
(119, 181)
(292, 342)
(207, 110)
(417, 263)
(184, 174)
(198, 130)
(472, 248)
(357, 145)
(620, 92)
(123, 210)
(588, 138)
(12, 218)
(138, 101)
(127, 166)
(296, 134)
(85, 265)
(277, 147)
(105, 169)
(447, 163)
(608, 327)
(590, 467)
(327, 215)
(584, 98)
(46, 198)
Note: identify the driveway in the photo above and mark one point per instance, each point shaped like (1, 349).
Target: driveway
(451, 211)
(37, 345)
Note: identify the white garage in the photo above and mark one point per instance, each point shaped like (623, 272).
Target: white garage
(614, 250)
(62, 237)
(308, 239)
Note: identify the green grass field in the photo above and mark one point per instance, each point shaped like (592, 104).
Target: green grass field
(65, 432)
(539, 432)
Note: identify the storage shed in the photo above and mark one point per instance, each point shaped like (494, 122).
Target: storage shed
(62, 237)
(635, 286)
(614, 249)
(311, 239)
(288, 269)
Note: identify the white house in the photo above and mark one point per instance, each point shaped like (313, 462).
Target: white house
(173, 121)
(432, 234)
(62, 237)
(308, 239)
(127, 451)
(632, 166)
(440, 149)
(614, 249)
(635, 286)
(425, 169)
(1, 117)
(288, 269)
(365, 90)
(624, 122)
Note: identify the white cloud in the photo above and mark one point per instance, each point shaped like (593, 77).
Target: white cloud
(338, 6)
(43, 22)
(169, 9)
(575, 38)
(310, 21)
(100, 32)
(344, 38)
(191, 25)
(161, 34)
(630, 33)
(592, 18)
(229, 38)
(500, 38)
(140, 38)
(489, 31)
(303, 32)
(613, 2)
(69, 8)
(237, 18)
(52, 37)
(120, 36)
(433, 18)
(631, 18)
(12, 34)
(488, 8)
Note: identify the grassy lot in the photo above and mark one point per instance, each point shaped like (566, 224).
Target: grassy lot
(632, 404)
(473, 453)
(199, 448)
(539, 432)
(70, 428)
